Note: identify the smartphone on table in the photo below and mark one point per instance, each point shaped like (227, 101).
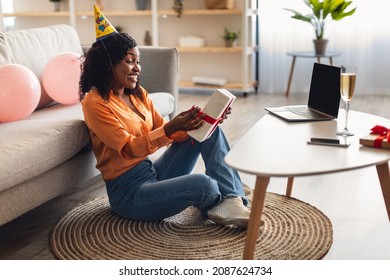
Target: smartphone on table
(327, 142)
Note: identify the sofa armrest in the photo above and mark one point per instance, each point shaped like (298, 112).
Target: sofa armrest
(160, 71)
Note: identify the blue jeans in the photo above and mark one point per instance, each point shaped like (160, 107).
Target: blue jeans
(160, 189)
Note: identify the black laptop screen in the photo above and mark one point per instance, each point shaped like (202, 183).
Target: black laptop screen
(325, 89)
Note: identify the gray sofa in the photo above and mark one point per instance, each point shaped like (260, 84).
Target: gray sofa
(48, 153)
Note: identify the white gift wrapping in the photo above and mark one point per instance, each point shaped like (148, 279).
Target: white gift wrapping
(216, 106)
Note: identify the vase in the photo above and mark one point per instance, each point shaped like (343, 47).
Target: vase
(57, 6)
(147, 38)
(320, 46)
(141, 4)
(231, 44)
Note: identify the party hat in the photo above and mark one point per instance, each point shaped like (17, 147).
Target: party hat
(103, 27)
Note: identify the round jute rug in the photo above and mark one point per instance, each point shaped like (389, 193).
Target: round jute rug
(292, 230)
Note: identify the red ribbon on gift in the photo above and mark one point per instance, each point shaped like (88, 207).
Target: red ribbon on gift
(208, 118)
(215, 122)
(211, 120)
(383, 132)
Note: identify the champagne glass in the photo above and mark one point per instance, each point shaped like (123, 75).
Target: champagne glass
(347, 88)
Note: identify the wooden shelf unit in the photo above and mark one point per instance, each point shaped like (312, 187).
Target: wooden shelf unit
(212, 59)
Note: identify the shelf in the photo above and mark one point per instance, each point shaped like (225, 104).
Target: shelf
(119, 13)
(37, 14)
(236, 86)
(208, 50)
(216, 49)
(202, 12)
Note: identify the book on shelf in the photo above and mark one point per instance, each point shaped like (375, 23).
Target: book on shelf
(214, 110)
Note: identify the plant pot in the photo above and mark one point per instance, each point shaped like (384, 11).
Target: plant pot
(57, 6)
(141, 4)
(320, 45)
(231, 44)
(219, 4)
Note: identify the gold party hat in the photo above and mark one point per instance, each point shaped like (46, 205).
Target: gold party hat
(103, 27)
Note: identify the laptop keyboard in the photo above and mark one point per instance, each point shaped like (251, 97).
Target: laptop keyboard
(306, 112)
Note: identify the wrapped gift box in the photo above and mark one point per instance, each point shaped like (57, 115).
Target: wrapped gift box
(378, 138)
(214, 109)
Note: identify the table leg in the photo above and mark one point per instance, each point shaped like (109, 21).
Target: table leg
(330, 60)
(255, 216)
(384, 179)
(290, 76)
(290, 183)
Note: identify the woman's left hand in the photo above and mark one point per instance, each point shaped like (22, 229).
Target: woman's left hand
(225, 115)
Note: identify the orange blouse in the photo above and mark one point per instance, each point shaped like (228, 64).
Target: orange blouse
(120, 137)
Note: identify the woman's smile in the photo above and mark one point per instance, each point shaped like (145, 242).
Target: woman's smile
(133, 78)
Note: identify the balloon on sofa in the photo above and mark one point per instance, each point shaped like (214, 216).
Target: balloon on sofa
(61, 77)
(20, 92)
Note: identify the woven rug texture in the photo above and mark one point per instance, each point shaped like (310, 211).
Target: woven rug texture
(292, 230)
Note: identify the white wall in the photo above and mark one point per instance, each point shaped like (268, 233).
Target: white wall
(363, 39)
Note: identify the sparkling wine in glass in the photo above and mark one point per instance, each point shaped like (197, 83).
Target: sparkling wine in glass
(347, 89)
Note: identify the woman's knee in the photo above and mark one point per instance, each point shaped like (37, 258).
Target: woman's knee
(206, 182)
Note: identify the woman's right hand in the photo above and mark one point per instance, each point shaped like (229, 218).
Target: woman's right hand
(185, 121)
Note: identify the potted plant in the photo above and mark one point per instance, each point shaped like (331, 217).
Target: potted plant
(230, 37)
(178, 6)
(57, 5)
(323, 12)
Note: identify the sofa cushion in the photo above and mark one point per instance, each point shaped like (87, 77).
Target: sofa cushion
(34, 47)
(163, 102)
(39, 143)
(37, 146)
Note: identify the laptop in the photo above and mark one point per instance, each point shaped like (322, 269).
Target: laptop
(324, 97)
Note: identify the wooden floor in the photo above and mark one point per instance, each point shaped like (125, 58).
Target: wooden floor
(352, 200)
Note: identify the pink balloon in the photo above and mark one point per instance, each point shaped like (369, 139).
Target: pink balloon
(61, 77)
(20, 92)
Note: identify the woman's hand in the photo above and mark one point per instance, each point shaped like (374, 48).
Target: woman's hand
(185, 121)
(225, 115)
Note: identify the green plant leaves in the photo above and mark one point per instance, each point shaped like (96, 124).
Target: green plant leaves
(320, 12)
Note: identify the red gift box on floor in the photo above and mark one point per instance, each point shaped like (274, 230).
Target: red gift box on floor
(217, 105)
(378, 138)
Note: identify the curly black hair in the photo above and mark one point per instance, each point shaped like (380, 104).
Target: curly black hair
(96, 69)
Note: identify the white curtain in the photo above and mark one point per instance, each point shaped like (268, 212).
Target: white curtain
(363, 39)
